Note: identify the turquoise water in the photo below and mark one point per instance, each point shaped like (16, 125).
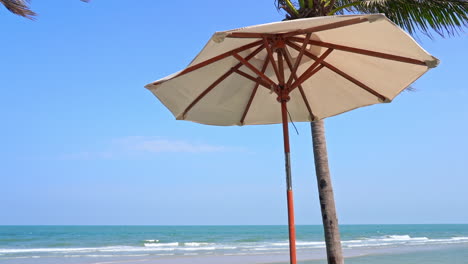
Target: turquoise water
(386, 244)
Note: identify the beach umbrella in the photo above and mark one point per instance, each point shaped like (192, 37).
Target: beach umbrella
(299, 70)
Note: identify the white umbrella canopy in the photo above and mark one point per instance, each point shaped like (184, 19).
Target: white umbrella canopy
(307, 69)
(344, 62)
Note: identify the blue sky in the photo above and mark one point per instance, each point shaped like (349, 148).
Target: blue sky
(82, 142)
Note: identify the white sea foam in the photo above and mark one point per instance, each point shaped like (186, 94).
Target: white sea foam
(370, 245)
(253, 245)
(354, 241)
(135, 249)
(311, 243)
(264, 249)
(88, 255)
(237, 254)
(280, 244)
(173, 244)
(38, 250)
(228, 247)
(300, 243)
(403, 238)
(197, 248)
(197, 244)
(460, 238)
(82, 250)
(180, 248)
(152, 240)
(398, 237)
(375, 242)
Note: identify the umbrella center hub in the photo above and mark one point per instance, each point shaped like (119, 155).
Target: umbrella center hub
(278, 43)
(283, 94)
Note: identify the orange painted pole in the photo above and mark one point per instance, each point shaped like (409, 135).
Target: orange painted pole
(284, 98)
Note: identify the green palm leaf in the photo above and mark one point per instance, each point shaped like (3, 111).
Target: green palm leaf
(446, 17)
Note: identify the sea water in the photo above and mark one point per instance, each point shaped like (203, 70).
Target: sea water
(362, 244)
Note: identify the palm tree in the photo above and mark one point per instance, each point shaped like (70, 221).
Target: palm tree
(21, 7)
(445, 17)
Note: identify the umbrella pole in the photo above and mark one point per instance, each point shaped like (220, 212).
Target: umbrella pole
(289, 192)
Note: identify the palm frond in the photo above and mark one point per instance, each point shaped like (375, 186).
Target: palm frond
(19, 7)
(292, 9)
(446, 17)
(302, 9)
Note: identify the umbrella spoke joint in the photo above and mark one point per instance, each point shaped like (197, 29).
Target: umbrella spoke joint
(283, 94)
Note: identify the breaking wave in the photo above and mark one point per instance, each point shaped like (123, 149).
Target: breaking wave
(154, 247)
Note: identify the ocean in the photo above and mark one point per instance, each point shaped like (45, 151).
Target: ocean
(362, 244)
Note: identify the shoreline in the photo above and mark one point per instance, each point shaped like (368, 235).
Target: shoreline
(278, 258)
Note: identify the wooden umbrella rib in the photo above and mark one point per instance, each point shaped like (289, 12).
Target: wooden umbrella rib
(216, 58)
(287, 58)
(258, 80)
(219, 80)
(298, 58)
(207, 90)
(339, 72)
(300, 31)
(252, 68)
(356, 82)
(248, 35)
(270, 55)
(311, 70)
(330, 26)
(254, 91)
(360, 51)
(312, 73)
(280, 77)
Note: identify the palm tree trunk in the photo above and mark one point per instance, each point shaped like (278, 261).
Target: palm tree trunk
(327, 201)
